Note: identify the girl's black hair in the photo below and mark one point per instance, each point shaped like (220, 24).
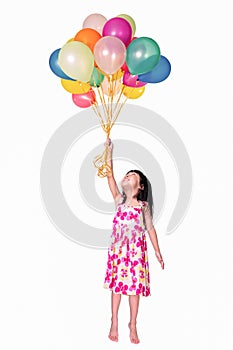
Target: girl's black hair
(146, 193)
(143, 194)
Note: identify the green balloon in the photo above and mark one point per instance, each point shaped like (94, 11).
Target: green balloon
(96, 78)
(142, 55)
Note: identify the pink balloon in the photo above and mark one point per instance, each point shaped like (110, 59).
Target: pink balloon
(119, 28)
(109, 54)
(95, 21)
(84, 100)
(132, 80)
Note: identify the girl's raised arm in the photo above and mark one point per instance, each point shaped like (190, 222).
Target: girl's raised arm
(111, 179)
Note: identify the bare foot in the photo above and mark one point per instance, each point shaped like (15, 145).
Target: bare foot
(113, 334)
(133, 333)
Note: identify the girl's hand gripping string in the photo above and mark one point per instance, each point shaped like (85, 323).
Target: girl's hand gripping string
(109, 146)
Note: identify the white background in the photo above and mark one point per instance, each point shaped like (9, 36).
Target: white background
(51, 288)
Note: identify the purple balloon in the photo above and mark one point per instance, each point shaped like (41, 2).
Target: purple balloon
(132, 80)
(119, 28)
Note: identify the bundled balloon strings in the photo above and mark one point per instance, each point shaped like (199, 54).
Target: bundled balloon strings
(108, 107)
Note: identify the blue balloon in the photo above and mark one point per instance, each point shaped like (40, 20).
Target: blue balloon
(55, 68)
(159, 73)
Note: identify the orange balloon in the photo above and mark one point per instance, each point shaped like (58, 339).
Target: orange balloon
(88, 36)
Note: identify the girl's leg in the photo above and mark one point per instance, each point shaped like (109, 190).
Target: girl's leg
(133, 303)
(115, 303)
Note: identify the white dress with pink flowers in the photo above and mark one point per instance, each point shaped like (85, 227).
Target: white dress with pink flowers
(127, 269)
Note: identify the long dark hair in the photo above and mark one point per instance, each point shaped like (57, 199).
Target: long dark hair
(143, 194)
(146, 193)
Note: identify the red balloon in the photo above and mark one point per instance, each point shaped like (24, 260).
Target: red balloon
(125, 67)
(84, 100)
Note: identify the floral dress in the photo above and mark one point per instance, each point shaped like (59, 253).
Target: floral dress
(127, 265)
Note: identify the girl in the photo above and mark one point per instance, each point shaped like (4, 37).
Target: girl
(127, 270)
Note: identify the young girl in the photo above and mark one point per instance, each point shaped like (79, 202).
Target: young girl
(127, 270)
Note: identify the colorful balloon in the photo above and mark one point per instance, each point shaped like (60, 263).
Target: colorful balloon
(118, 27)
(125, 67)
(95, 21)
(88, 36)
(96, 78)
(159, 73)
(75, 87)
(133, 93)
(84, 100)
(142, 55)
(55, 67)
(132, 80)
(109, 54)
(131, 22)
(76, 60)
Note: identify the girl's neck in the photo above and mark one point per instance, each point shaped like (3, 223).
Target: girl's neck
(131, 200)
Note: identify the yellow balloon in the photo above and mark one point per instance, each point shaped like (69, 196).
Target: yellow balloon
(132, 92)
(75, 87)
(68, 41)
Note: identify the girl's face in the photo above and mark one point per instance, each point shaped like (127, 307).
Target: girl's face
(131, 180)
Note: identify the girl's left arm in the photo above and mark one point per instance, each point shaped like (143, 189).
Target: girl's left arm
(154, 240)
(152, 233)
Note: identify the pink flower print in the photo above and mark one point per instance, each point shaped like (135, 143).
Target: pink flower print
(141, 274)
(138, 210)
(120, 284)
(124, 273)
(133, 252)
(142, 262)
(133, 287)
(123, 215)
(124, 289)
(134, 263)
(118, 261)
(126, 260)
(107, 277)
(148, 276)
(132, 216)
(132, 270)
(139, 289)
(113, 283)
(140, 243)
(115, 269)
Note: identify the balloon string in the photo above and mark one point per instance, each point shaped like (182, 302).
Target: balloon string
(107, 116)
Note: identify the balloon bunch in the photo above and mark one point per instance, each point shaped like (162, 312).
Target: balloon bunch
(105, 64)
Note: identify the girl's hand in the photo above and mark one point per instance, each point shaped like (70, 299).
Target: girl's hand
(160, 259)
(108, 143)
